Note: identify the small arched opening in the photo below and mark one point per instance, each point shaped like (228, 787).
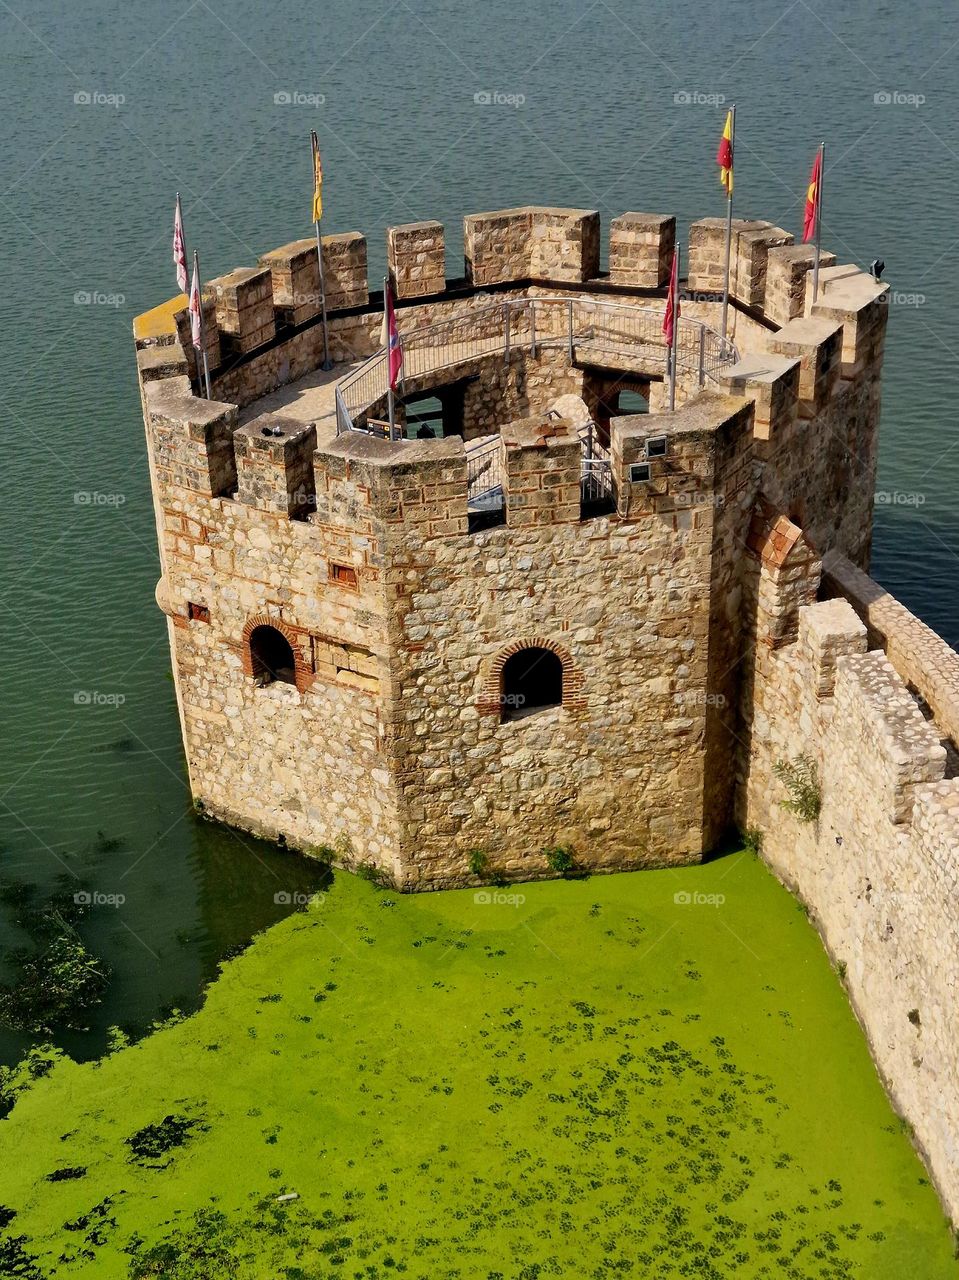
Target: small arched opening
(532, 680)
(271, 656)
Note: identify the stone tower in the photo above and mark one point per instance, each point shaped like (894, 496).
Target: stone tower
(518, 620)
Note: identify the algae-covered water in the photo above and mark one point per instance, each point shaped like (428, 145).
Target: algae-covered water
(640, 1075)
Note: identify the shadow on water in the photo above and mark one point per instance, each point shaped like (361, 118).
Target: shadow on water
(162, 925)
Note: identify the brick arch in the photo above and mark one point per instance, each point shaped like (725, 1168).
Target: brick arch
(490, 699)
(297, 640)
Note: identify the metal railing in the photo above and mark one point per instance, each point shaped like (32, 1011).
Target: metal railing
(581, 325)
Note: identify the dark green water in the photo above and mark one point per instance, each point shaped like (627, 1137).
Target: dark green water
(86, 194)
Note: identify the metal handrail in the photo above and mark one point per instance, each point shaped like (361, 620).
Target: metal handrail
(533, 323)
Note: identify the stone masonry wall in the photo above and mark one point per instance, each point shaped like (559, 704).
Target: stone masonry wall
(879, 868)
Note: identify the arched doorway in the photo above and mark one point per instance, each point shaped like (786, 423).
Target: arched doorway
(271, 656)
(532, 680)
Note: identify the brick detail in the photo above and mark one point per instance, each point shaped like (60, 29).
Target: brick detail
(297, 638)
(490, 701)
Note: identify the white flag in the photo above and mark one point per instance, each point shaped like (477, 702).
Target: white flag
(195, 308)
(179, 248)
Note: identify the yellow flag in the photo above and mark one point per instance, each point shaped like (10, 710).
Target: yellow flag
(317, 180)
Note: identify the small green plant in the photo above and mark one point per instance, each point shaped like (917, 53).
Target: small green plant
(914, 1018)
(478, 862)
(374, 875)
(753, 840)
(559, 858)
(801, 779)
(841, 970)
(55, 986)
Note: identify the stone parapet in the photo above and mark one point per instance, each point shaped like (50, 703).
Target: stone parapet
(295, 274)
(274, 465)
(541, 470)
(772, 384)
(816, 342)
(641, 249)
(244, 307)
(752, 241)
(532, 242)
(787, 268)
(416, 257)
(921, 657)
(192, 438)
(859, 303)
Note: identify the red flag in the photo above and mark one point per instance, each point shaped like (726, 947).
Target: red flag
(179, 247)
(390, 336)
(195, 322)
(672, 302)
(811, 220)
(724, 155)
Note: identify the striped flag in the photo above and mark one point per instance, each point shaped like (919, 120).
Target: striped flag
(724, 156)
(390, 336)
(672, 302)
(812, 200)
(317, 179)
(196, 327)
(179, 247)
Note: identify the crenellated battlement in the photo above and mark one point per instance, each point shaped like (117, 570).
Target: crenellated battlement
(386, 578)
(544, 609)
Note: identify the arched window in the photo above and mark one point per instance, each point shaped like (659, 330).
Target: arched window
(271, 656)
(532, 680)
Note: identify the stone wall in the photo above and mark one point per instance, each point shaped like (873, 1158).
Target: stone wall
(879, 868)
(398, 615)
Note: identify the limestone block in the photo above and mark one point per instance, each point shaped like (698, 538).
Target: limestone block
(787, 267)
(860, 304)
(816, 342)
(828, 631)
(641, 249)
(192, 438)
(295, 274)
(274, 462)
(772, 384)
(751, 243)
(416, 257)
(244, 307)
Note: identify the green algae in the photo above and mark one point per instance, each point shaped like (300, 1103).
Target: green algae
(638, 1075)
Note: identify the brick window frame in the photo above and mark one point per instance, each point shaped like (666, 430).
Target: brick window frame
(490, 701)
(296, 638)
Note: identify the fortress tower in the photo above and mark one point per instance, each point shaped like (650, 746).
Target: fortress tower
(533, 628)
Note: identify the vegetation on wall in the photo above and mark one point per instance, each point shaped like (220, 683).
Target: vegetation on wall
(801, 779)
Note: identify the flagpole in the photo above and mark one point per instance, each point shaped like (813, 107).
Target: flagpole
(729, 217)
(206, 366)
(179, 222)
(327, 362)
(675, 343)
(390, 398)
(822, 166)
